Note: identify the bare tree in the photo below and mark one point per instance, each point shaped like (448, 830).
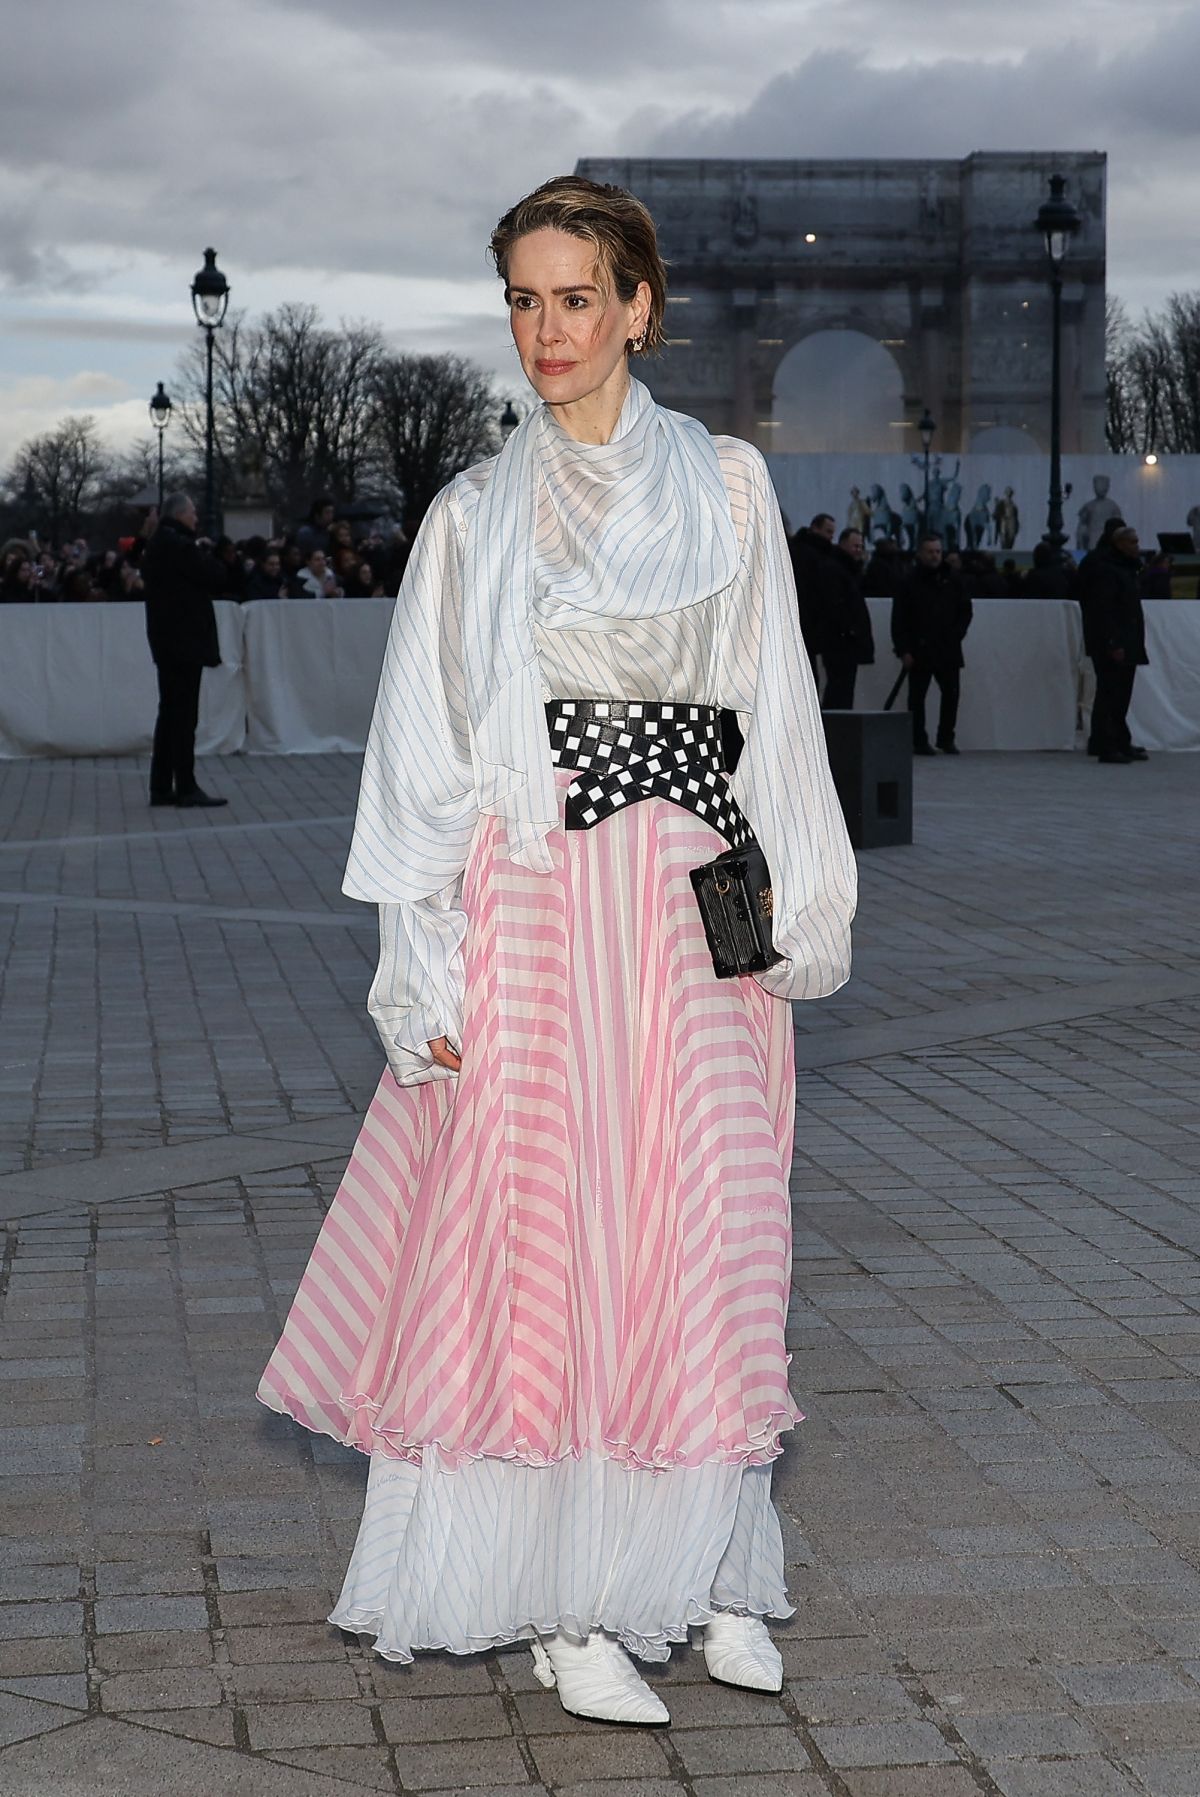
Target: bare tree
(136, 468)
(1176, 334)
(1121, 407)
(434, 416)
(58, 478)
(1153, 385)
(301, 393)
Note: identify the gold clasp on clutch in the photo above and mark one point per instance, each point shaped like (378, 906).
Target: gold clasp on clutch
(722, 886)
(766, 902)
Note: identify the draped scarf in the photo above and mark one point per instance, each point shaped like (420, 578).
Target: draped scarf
(644, 528)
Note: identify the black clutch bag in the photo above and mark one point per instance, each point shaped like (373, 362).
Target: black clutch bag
(736, 906)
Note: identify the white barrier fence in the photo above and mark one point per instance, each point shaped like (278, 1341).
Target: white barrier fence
(299, 678)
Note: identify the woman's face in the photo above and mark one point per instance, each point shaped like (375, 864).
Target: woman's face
(571, 341)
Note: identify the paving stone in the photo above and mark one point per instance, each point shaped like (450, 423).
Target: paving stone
(309, 1725)
(760, 1784)
(620, 1787)
(359, 1766)
(445, 1718)
(1026, 1736)
(56, 1654)
(463, 1763)
(216, 1726)
(1090, 1685)
(21, 1717)
(601, 1754)
(66, 1688)
(249, 1609)
(133, 1615)
(883, 1744)
(132, 1578)
(296, 1681)
(738, 1750)
(850, 1699)
(1168, 1774)
(298, 1641)
(27, 1622)
(106, 1758)
(161, 1689)
(929, 1781)
(445, 1675)
(141, 1653)
(1063, 1778)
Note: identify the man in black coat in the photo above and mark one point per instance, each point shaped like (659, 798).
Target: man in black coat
(1114, 635)
(811, 549)
(931, 615)
(846, 639)
(181, 579)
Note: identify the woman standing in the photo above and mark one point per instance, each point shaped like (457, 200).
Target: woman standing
(549, 1298)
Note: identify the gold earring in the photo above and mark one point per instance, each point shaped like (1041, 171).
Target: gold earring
(638, 344)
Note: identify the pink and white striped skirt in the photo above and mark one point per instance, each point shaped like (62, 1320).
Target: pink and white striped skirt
(580, 1249)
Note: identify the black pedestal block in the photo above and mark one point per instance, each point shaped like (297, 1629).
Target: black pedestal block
(870, 756)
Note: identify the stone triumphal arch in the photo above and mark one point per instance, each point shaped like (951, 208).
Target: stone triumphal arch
(937, 263)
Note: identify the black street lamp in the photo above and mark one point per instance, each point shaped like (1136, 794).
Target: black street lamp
(926, 427)
(508, 421)
(1058, 221)
(160, 417)
(210, 301)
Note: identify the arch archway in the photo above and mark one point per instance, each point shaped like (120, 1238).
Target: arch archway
(838, 390)
(1004, 439)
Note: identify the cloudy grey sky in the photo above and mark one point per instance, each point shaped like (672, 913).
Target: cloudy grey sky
(356, 152)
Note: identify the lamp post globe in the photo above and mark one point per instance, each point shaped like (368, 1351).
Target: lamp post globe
(210, 302)
(508, 421)
(926, 428)
(1057, 222)
(210, 293)
(160, 417)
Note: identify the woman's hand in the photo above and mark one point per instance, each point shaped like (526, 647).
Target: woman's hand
(444, 1055)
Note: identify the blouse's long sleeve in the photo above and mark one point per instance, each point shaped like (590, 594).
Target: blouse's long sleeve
(783, 781)
(416, 809)
(418, 990)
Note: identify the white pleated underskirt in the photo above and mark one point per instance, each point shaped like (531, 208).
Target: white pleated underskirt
(494, 1552)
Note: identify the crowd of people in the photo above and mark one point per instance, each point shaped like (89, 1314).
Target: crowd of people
(327, 557)
(931, 592)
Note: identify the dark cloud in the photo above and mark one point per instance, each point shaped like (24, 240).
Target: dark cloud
(385, 136)
(28, 263)
(836, 103)
(318, 143)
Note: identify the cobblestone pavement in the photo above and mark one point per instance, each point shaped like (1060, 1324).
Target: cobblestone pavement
(992, 1516)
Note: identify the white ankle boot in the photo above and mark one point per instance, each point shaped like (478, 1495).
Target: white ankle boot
(739, 1651)
(596, 1680)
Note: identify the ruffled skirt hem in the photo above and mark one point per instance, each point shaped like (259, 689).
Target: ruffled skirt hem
(466, 1560)
(654, 1648)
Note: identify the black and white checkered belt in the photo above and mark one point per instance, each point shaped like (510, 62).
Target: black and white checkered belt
(631, 749)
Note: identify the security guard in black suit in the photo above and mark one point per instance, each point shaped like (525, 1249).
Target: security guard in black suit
(181, 579)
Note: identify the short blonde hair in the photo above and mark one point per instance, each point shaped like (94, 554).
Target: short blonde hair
(617, 225)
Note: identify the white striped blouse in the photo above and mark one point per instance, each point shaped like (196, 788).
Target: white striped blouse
(740, 649)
